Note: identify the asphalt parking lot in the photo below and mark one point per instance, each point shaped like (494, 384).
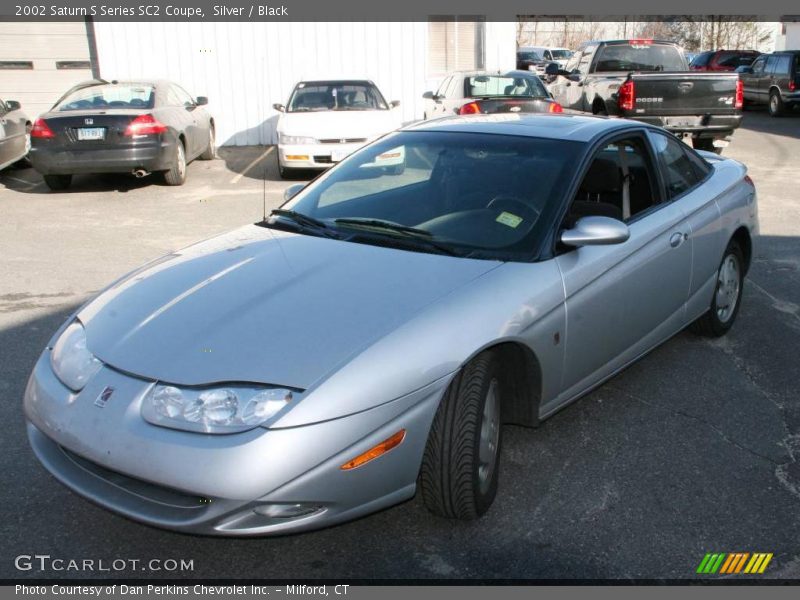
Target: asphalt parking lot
(694, 449)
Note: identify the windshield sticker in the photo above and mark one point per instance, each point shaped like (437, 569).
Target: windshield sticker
(508, 219)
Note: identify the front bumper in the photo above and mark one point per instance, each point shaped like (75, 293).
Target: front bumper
(155, 153)
(315, 156)
(211, 484)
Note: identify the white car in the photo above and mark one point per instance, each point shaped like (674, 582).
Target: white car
(549, 54)
(325, 121)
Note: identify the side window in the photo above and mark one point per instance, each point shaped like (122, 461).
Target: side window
(3, 108)
(679, 174)
(441, 91)
(184, 99)
(547, 55)
(572, 63)
(758, 65)
(772, 61)
(784, 65)
(583, 65)
(620, 183)
(453, 89)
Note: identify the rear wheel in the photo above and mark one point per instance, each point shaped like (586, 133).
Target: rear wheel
(177, 174)
(776, 107)
(459, 473)
(727, 295)
(58, 182)
(210, 153)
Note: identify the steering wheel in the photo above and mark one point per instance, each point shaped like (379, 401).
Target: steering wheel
(515, 205)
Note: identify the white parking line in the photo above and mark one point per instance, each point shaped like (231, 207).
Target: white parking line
(252, 164)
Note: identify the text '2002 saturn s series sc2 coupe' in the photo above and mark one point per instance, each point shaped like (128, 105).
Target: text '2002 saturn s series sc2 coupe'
(372, 335)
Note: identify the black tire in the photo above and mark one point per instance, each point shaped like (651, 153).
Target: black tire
(706, 144)
(210, 153)
(712, 323)
(775, 106)
(451, 479)
(58, 182)
(177, 174)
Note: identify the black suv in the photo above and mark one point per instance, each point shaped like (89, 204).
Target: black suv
(774, 80)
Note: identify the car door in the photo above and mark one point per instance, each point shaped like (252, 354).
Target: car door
(623, 299)
(765, 80)
(574, 86)
(751, 81)
(196, 123)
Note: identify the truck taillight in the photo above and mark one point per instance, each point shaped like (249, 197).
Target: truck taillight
(738, 101)
(792, 85)
(626, 96)
(470, 109)
(555, 107)
(42, 130)
(145, 125)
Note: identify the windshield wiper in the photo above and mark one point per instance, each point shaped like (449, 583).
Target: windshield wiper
(412, 234)
(304, 221)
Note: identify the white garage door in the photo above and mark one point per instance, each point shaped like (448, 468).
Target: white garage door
(40, 61)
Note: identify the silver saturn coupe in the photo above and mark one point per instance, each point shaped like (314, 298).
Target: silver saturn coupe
(370, 338)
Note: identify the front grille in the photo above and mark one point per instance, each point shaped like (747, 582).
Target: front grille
(343, 141)
(324, 159)
(138, 487)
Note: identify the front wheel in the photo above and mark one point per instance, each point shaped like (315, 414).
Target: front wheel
(727, 295)
(459, 473)
(58, 182)
(177, 174)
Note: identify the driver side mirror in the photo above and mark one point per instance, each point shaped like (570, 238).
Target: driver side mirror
(201, 100)
(596, 231)
(279, 107)
(394, 103)
(13, 105)
(292, 191)
(428, 96)
(551, 69)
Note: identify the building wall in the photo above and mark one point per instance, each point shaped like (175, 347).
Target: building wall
(43, 44)
(788, 37)
(244, 68)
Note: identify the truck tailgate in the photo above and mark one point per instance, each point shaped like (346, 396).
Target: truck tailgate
(684, 93)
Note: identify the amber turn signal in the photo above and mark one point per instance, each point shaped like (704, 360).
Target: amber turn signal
(375, 451)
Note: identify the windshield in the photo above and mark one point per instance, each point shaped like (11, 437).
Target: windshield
(480, 195)
(109, 96)
(561, 54)
(528, 56)
(336, 95)
(482, 86)
(639, 57)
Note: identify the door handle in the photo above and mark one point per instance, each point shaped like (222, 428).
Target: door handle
(677, 238)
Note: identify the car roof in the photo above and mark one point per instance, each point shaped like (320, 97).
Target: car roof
(498, 73)
(577, 128)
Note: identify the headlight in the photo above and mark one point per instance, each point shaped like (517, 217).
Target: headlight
(295, 139)
(71, 360)
(213, 410)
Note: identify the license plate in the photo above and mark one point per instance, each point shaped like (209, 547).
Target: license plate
(337, 155)
(91, 133)
(684, 122)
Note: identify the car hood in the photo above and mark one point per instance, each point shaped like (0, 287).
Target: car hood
(332, 124)
(266, 306)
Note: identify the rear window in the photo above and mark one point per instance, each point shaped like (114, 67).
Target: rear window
(336, 95)
(561, 54)
(108, 96)
(483, 86)
(528, 56)
(639, 57)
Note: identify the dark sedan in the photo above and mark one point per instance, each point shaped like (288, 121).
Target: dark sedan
(138, 127)
(487, 93)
